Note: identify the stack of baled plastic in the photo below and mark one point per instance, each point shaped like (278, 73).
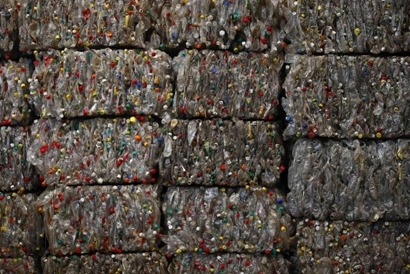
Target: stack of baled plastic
(348, 96)
(353, 247)
(60, 24)
(224, 140)
(227, 24)
(239, 220)
(108, 219)
(103, 263)
(223, 84)
(335, 26)
(221, 152)
(21, 233)
(95, 151)
(14, 78)
(349, 179)
(71, 83)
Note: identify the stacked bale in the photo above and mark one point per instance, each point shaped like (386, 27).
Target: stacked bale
(101, 82)
(116, 151)
(346, 26)
(219, 152)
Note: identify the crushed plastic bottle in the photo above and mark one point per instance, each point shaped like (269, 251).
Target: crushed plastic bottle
(223, 84)
(210, 220)
(86, 23)
(14, 87)
(108, 219)
(194, 263)
(15, 172)
(21, 265)
(101, 82)
(350, 180)
(221, 152)
(345, 26)
(104, 263)
(235, 25)
(20, 225)
(115, 151)
(348, 97)
(353, 247)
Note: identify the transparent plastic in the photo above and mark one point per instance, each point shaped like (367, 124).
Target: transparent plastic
(344, 26)
(15, 171)
(221, 152)
(60, 24)
(236, 25)
(350, 180)
(210, 220)
(115, 151)
(20, 225)
(353, 247)
(347, 97)
(194, 263)
(101, 82)
(108, 219)
(14, 77)
(223, 84)
(104, 263)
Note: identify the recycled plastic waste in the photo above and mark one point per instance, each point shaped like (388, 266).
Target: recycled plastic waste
(354, 247)
(209, 220)
(115, 151)
(14, 88)
(108, 219)
(235, 25)
(340, 26)
(70, 83)
(221, 152)
(193, 263)
(8, 25)
(350, 180)
(15, 172)
(78, 23)
(21, 265)
(21, 232)
(223, 84)
(347, 97)
(104, 263)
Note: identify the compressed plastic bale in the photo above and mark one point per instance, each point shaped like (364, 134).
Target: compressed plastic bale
(20, 226)
(350, 180)
(193, 263)
(15, 172)
(21, 265)
(8, 25)
(221, 152)
(346, 26)
(347, 97)
(113, 219)
(14, 88)
(47, 24)
(114, 151)
(104, 263)
(101, 82)
(223, 84)
(210, 220)
(354, 247)
(236, 25)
